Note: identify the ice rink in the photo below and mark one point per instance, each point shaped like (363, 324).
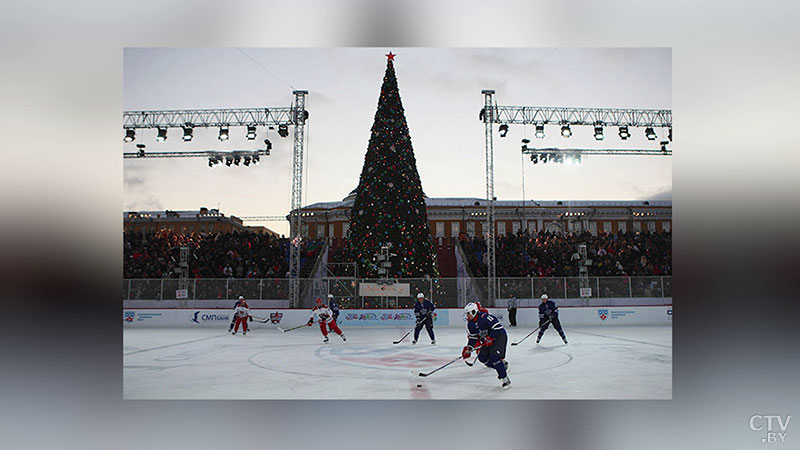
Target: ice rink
(623, 362)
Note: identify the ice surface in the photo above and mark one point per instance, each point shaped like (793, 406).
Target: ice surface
(625, 362)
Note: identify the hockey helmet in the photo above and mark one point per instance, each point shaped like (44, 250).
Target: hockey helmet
(471, 311)
(544, 297)
(330, 296)
(319, 301)
(241, 297)
(420, 295)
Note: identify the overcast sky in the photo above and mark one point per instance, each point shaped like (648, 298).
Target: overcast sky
(441, 93)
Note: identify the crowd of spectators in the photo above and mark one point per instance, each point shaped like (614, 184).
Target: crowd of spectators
(211, 255)
(547, 254)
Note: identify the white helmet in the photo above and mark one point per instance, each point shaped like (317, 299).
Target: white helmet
(470, 311)
(241, 298)
(330, 296)
(544, 297)
(420, 295)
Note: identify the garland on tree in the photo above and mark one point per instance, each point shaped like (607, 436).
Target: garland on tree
(389, 208)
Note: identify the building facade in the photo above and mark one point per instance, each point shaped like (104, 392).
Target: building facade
(447, 217)
(203, 220)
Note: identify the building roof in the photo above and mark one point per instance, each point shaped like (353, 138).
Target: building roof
(459, 202)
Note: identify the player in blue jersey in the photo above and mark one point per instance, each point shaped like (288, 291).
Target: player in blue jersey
(334, 307)
(486, 334)
(423, 310)
(548, 314)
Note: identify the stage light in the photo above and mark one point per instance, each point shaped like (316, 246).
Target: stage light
(228, 161)
(543, 158)
(577, 159)
(251, 133)
(246, 160)
(503, 130)
(598, 132)
(540, 131)
(525, 143)
(162, 135)
(140, 153)
(669, 134)
(664, 146)
(223, 133)
(187, 134)
(535, 159)
(130, 135)
(211, 161)
(268, 144)
(283, 130)
(623, 133)
(256, 159)
(566, 131)
(650, 133)
(237, 160)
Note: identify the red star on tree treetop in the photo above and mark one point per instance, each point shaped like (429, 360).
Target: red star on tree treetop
(390, 55)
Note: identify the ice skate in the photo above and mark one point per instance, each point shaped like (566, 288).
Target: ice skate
(538, 339)
(325, 339)
(413, 342)
(343, 338)
(506, 383)
(564, 339)
(433, 342)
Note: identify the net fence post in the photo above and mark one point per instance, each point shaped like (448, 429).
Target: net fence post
(630, 288)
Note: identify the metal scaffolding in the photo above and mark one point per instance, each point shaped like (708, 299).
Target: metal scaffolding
(299, 119)
(595, 151)
(488, 119)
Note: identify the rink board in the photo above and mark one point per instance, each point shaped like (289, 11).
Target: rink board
(590, 316)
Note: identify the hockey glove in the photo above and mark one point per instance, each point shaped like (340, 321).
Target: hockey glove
(466, 352)
(251, 318)
(309, 323)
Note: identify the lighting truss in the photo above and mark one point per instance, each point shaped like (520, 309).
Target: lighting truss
(209, 118)
(609, 117)
(596, 151)
(198, 154)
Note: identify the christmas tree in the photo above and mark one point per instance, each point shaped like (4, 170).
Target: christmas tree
(389, 208)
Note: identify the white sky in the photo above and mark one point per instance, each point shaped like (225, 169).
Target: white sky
(441, 94)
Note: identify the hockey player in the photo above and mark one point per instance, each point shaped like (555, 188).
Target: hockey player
(486, 333)
(241, 314)
(325, 317)
(334, 307)
(423, 310)
(548, 314)
(233, 317)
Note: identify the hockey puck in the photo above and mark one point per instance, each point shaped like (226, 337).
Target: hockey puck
(419, 385)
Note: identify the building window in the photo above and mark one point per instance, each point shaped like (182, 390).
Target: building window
(651, 227)
(455, 228)
(501, 228)
(439, 229)
(637, 226)
(607, 227)
(515, 227)
(330, 230)
(304, 229)
(531, 226)
(665, 226)
(622, 226)
(470, 228)
(345, 228)
(320, 230)
(593, 228)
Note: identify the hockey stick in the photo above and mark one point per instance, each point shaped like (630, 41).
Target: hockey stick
(293, 328)
(471, 363)
(421, 374)
(529, 334)
(260, 319)
(401, 339)
(404, 336)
